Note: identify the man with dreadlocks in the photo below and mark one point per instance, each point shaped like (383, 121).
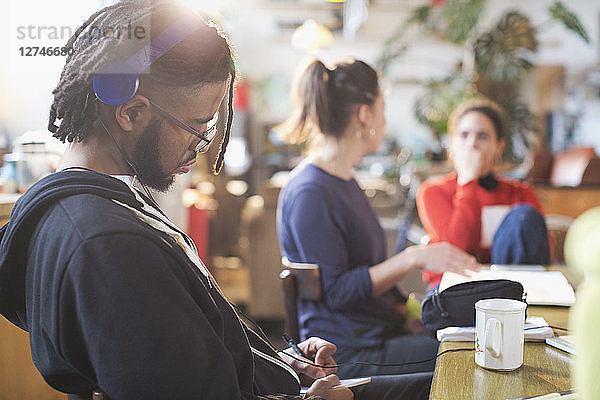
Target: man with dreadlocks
(113, 294)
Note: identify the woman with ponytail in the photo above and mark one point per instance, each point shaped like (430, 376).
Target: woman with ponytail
(324, 218)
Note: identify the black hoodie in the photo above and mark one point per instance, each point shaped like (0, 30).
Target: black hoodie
(111, 302)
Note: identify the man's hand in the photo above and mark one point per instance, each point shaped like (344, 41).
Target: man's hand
(324, 388)
(319, 351)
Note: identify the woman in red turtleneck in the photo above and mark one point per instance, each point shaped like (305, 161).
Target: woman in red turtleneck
(496, 219)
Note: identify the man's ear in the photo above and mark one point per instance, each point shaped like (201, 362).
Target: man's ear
(134, 114)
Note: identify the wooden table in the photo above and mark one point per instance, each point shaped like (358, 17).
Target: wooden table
(544, 370)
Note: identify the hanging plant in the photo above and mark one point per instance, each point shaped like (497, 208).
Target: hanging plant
(521, 127)
(569, 20)
(394, 46)
(460, 17)
(504, 52)
(441, 97)
(451, 20)
(500, 58)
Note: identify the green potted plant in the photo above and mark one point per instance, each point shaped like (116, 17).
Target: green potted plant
(494, 62)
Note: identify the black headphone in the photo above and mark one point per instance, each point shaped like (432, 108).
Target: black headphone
(117, 82)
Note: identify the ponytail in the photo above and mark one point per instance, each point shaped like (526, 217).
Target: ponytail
(311, 97)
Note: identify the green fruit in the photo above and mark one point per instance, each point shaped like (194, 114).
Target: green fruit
(582, 244)
(584, 324)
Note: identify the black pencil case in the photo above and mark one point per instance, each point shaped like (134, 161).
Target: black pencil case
(455, 306)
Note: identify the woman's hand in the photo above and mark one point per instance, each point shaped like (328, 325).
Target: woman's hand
(437, 257)
(319, 351)
(442, 257)
(469, 164)
(324, 388)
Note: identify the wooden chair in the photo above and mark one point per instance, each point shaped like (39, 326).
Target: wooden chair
(558, 226)
(573, 167)
(299, 282)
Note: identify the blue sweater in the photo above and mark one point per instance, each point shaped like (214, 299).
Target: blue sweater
(326, 220)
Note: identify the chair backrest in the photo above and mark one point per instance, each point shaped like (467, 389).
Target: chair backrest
(299, 282)
(574, 167)
(558, 225)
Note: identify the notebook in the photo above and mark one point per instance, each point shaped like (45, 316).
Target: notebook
(549, 288)
(565, 343)
(353, 382)
(344, 382)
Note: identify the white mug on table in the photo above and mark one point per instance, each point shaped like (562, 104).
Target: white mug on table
(499, 333)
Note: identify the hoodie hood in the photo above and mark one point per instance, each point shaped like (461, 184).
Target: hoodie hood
(27, 211)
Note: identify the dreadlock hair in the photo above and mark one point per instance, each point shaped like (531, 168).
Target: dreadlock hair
(205, 56)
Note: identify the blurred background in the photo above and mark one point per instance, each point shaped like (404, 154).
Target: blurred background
(539, 59)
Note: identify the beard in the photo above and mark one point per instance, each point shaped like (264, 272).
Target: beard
(146, 159)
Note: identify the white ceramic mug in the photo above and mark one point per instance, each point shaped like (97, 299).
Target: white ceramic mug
(499, 334)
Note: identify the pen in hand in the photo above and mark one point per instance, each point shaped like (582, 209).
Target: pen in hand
(294, 346)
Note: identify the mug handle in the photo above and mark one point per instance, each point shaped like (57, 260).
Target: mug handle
(492, 337)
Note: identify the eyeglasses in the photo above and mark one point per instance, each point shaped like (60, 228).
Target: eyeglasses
(205, 137)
